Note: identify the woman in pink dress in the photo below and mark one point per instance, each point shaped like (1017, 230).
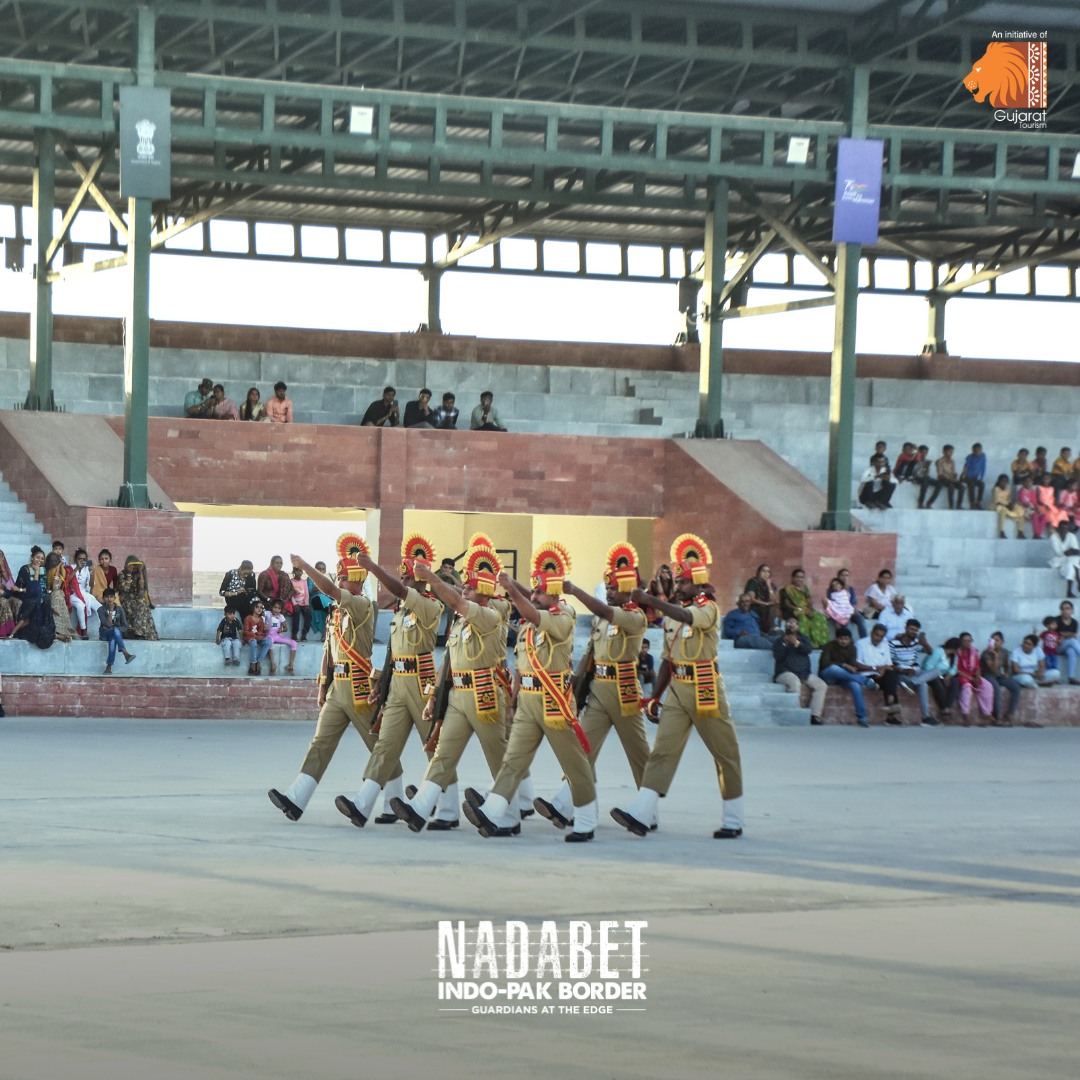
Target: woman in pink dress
(1027, 497)
(1069, 500)
(1048, 507)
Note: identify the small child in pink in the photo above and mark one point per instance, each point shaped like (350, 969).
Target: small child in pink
(275, 621)
(1050, 639)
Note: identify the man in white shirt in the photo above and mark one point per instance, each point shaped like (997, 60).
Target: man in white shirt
(873, 657)
(896, 617)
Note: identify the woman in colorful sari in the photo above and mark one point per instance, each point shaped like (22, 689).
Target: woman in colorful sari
(9, 599)
(795, 603)
(764, 599)
(134, 596)
(54, 585)
(36, 623)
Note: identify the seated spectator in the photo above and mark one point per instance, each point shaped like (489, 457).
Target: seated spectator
(895, 617)
(1049, 512)
(1069, 500)
(973, 476)
(1007, 509)
(1065, 554)
(279, 409)
(274, 584)
(791, 668)
(1040, 467)
(838, 666)
(1027, 498)
(1021, 466)
(383, 412)
(1062, 469)
(920, 473)
(908, 650)
(103, 576)
(111, 626)
(57, 600)
(646, 667)
(275, 634)
(83, 603)
(947, 479)
(197, 403)
(240, 589)
(741, 626)
(875, 487)
(996, 671)
(663, 587)
(844, 577)
(446, 415)
(253, 408)
(229, 632)
(839, 605)
(1069, 647)
(1029, 665)
(485, 417)
(879, 595)
(255, 637)
(873, 658)
(879, 450)
(905, 463)
(223, 408)
(796, 603)
(133, 589)
(942, 661)
(969, 676)
(9, 599)
(58, 551)
(301, 609)
(321, 605)
(764, 599)
(419, 413)
(1049, 640)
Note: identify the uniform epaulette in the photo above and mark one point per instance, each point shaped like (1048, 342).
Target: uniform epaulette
(702, 600)
(631, 606)
(555, 609)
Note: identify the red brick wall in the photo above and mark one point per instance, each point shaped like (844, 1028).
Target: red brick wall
(159, 699)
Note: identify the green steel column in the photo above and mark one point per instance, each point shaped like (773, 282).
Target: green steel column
(40, 396)
(434, 283)
(135, 491)
(711, 372)
(935, 340)
(842, 391)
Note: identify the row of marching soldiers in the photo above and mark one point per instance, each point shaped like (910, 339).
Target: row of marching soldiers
(474, 693)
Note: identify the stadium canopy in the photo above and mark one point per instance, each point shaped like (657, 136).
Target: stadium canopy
(705, 129)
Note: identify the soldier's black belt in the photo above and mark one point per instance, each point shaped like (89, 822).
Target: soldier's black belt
(463, 680)
(405, 667)
(533, 684)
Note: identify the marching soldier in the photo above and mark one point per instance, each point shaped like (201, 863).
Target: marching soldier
(475, 647)
(610, 668)
(696, 698)
(345, 685)
(412, 683)
(543, 703)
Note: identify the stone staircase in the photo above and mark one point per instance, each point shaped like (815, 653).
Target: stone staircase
(19, 529)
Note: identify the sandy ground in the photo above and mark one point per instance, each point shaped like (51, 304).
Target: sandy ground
(904, 904)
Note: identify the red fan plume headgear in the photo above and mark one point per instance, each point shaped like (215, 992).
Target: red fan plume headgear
(482, 570)
(414, 549)
(620, 568)
(348, 547)
(690, 559)
(551, 565)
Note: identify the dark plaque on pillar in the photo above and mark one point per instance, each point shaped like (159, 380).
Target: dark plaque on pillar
(145, 143)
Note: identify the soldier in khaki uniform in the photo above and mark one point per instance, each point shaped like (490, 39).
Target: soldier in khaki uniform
(475, 648)
(611, 665)
(544, 704)
(345, 686)
(412, 682)
(696, 699)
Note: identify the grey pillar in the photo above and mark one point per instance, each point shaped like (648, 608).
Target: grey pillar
(935, 333)
(711, 372)
(40, 395)
(135, 490)
(433, 277)
(842, 391)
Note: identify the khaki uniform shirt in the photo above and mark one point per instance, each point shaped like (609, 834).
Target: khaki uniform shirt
(554, 640)
(697, 641)
(618, 641)
(415, 624)
(358, 628)
(476, 640)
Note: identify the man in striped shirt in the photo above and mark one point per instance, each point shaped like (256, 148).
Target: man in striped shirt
(908, 651)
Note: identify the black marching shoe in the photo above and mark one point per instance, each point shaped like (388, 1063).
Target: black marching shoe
(442, 825)
(407, 814)
(577, 837)
(387, 818)
(628, 822)
(286, 806)
(547, 810)
(727, 834)
(348, 808)
(488, 833)
(410, 791)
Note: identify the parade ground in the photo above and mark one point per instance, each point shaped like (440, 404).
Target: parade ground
(904, 903)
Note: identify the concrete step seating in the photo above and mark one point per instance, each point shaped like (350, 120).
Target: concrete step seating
(337, 390)
(19, 529)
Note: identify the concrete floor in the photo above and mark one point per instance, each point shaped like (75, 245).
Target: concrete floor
(904, 904)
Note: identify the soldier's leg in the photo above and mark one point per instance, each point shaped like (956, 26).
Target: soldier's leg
(720, 739)
(442, 769)
(383, 772)
(579, 774)
(631, 732)
(331, 725)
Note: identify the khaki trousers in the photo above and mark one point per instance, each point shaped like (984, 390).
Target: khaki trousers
(403, 711)
(459, 725)
(334, 719)
(793, 685)
(602, 713)
(526, 735)
(677, 717)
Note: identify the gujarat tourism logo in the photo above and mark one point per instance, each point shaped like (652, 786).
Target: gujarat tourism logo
(1011, 75)
(510, 968)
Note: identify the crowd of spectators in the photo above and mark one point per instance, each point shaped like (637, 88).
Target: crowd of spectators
(209, 402)
(881, 646)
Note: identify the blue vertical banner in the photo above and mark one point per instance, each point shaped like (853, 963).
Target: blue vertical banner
(145, 143)
(858, 191)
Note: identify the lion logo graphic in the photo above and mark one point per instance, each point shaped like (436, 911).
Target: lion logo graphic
(1002, 75)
